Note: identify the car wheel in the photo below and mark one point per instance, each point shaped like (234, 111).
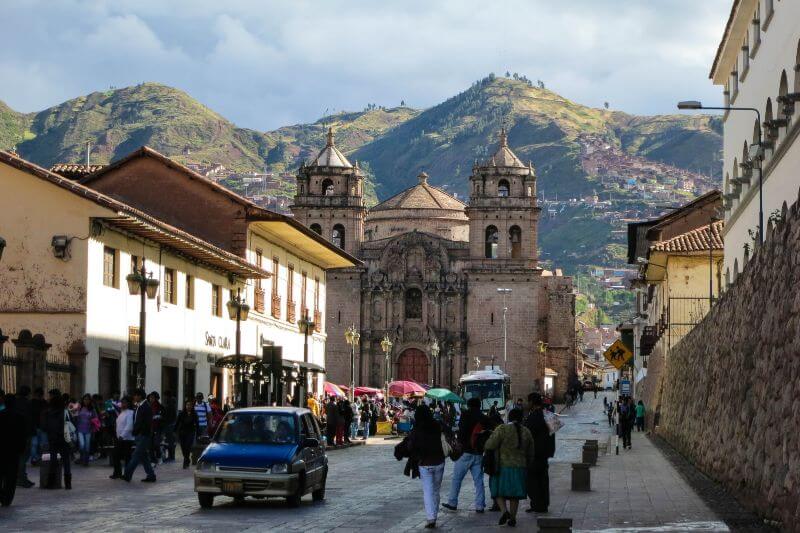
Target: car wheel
(294, 499)
(319, 494)
(206, 500)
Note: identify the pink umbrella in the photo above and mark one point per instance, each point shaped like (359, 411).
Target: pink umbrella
(405, 388)
(367, 391)
(332, 389)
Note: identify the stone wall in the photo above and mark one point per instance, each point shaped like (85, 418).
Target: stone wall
(731, 388)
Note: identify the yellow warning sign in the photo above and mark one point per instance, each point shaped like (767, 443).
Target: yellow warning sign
(618, 354)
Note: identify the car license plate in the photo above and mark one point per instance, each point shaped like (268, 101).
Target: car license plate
(232, 486)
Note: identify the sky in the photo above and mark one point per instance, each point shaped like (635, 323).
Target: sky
(265, 64)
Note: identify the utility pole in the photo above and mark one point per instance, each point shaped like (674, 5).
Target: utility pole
(504, 292)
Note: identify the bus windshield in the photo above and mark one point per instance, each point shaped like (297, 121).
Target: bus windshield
(487, 391)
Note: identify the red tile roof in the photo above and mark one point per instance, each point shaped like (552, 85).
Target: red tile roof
(74, 171)
(705, 238)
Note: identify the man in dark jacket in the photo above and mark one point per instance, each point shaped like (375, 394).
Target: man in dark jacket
(25, 410)
(15, 435)
(544, 445)
(53, 420)
(142, 435)
(472, 459)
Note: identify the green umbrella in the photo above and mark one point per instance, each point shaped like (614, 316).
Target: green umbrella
(444, 395)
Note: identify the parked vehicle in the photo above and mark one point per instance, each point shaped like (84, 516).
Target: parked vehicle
(489, 385)
(263, 452)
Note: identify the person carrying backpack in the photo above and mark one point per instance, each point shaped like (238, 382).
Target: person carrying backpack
(544, 446)
(473, 423)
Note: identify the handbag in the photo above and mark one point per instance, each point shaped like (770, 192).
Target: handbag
(489, 463)
(70, 433)
(95, 423)
(553, 422)
(446, 448)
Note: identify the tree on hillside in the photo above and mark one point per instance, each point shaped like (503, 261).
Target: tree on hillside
(540, 83)
(402, 103)
(605, 104)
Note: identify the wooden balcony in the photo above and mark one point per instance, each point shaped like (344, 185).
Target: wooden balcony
(276, 306)
(317, 321)
(291, 312)
(258, 300)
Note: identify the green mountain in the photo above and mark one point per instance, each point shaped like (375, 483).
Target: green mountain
(543, 127)
(630, 163)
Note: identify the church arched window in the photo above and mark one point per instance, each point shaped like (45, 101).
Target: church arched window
(490, 250)
(413, 303)
(327, 187)
(503, 189)
(316, 228)
(515, 237)
(337, 236)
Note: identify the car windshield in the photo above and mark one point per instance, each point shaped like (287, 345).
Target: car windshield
(257, 428)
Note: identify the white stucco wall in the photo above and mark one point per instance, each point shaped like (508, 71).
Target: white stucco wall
(777, 52)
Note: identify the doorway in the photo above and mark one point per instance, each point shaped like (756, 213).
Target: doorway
(108, 374)
(188, 383)
(412, 365)
(169, 380)
(215, 387)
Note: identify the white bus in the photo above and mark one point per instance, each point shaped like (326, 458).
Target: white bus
(490, 385)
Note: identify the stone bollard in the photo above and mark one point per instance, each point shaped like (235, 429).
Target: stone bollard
(554, 525)
(581, 477)
(590, 450)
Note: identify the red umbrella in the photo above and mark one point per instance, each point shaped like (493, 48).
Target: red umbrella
(405, 388)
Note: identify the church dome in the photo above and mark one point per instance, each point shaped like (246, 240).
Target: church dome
(421, 196)
(504, 157)
(330, 156)
(422, 207)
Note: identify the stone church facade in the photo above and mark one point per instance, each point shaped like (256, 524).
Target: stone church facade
(432, 267)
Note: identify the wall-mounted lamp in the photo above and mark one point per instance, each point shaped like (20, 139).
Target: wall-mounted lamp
(60, 244)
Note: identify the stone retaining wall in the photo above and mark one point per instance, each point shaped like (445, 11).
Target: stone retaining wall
(730, 400)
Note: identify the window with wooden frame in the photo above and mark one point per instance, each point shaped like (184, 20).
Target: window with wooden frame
(110, 267)
(290, 307)
(216, 300)
(189, 292)
(258, 291)
(303, 289)
(276, 299)
(317, 313)
(169, 286)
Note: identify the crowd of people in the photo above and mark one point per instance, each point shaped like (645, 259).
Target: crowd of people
(514, 451)
(59, 431)
(627, 415)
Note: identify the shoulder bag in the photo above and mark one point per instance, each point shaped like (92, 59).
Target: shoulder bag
(70, 433)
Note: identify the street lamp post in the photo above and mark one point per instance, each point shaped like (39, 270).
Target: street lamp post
(307, 327)
(757, 155)
(238, 311)
(435, 355)
(504, 292)
(352, 336)
(450, 363)
(386, 346)
(141, 283)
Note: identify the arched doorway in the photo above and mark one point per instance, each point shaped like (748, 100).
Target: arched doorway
(412, 365)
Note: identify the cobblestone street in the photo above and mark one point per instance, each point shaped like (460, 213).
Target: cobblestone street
(638, 490)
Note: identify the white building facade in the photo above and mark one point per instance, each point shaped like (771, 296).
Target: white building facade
(757, 65)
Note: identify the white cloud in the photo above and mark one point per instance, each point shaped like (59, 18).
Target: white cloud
(267, 63)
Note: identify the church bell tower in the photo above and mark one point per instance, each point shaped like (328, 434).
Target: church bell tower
(503, 215)
(330, 198)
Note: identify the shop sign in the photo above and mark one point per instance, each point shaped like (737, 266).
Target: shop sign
(218, 341)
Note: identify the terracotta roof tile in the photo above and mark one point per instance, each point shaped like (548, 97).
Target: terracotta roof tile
(74, 171)
(697, 240)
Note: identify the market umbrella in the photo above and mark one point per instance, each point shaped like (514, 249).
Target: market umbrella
(444, 395)
(332, 389)
(366, 391)
(405, 388)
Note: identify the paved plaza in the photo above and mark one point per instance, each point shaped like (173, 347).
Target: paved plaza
(638, 490)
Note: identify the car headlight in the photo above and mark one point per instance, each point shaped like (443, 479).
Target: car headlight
(205, 466)
(280, 468)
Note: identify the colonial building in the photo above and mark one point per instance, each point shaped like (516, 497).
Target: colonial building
(758, 66)
(680, 258)
(432, 271)
(203, 243)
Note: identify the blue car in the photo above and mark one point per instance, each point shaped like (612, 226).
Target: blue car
(263, 452)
